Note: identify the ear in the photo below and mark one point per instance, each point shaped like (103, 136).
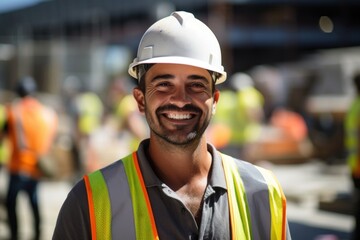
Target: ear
(216, 99)
(139, 97)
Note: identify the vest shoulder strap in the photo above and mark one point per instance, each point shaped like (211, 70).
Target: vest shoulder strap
(99, 205)
(102, 208)
(255, 200)
(144, 219)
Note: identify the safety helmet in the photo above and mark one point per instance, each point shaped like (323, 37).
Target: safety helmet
(180, 39)
(241, 80)
(26, 86)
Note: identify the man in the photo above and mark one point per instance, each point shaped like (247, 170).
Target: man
(176, 185)
(352, 141)
(30, 127)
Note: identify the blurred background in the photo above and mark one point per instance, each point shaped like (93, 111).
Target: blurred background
(290, 66)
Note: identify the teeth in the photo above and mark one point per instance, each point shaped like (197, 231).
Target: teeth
(179, 116)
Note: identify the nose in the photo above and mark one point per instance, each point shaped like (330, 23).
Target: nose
(180, 97)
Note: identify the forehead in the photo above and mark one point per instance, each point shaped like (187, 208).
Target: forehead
(177, 70)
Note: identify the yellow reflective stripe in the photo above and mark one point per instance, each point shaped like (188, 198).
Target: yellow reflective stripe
(239, 212)
(277, 205)
(351, 141)
(143, 216)
(2, 116)
(101, 204)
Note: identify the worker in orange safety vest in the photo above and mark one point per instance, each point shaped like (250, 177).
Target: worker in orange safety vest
(31, 128)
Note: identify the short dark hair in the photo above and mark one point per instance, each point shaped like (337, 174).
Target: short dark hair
(26, 86)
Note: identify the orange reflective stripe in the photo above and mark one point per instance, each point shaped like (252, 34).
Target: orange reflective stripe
(91, 207)
(283, 212)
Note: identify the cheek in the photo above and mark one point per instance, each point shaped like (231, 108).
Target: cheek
(151, 96)
(150, 104)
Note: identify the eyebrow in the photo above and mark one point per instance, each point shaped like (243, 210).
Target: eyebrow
(162, 76)
(199, 77)
(170, 76)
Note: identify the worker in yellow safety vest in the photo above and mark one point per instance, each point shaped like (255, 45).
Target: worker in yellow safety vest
(176, 185)
(4, 145)
(239, 116)
(352, 145)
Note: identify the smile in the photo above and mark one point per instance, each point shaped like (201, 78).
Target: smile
(179, 116)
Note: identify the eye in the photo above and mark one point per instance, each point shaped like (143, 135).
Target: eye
(197, 86)
(163, 85)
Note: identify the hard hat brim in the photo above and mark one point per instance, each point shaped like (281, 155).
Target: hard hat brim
(177, 60)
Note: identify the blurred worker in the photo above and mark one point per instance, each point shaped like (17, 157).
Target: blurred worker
(239, 116)
(271, 84)
(352, 145)
(220, 130)
(4, 145)
(250, 108)
(89, 116)
(121, 133)
(85, 109)
(131, 122)
(176, 185)
(31, 127)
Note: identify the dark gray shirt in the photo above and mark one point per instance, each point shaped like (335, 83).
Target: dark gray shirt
(173, 219)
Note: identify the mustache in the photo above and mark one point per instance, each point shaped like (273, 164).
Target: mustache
(171, 107)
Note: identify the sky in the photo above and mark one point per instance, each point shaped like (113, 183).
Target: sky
(10, 5)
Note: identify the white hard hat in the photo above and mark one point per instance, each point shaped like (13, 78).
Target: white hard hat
(241, 80)
(181, 39)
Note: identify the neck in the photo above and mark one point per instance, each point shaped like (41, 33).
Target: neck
(178, 166)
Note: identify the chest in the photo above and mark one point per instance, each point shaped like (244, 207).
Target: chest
(175, 219)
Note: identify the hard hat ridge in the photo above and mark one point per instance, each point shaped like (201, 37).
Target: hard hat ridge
(180, 17)
(180, 39)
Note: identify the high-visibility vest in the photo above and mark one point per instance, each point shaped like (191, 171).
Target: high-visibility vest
(90, 110)
(257, 208)
(246, 129)
(2, 116)
(233, 113)
(4, 146)
(126, 107)
(32, 127)
(352, 128)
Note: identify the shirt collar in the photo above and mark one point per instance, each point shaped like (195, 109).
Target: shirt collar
(217, 177)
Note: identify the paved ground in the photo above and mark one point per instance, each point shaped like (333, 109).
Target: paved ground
(304, 185)
(313, 186)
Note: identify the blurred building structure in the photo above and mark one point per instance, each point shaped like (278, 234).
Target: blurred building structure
(96, 40)
(53, 39)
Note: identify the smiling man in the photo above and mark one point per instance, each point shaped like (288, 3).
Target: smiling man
(179, 99)
(176, 185)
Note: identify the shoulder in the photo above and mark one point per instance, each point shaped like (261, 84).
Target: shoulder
(73, 219)
(254, 175)
(77, 197)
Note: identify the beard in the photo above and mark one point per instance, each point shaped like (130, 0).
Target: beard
(180, 135)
